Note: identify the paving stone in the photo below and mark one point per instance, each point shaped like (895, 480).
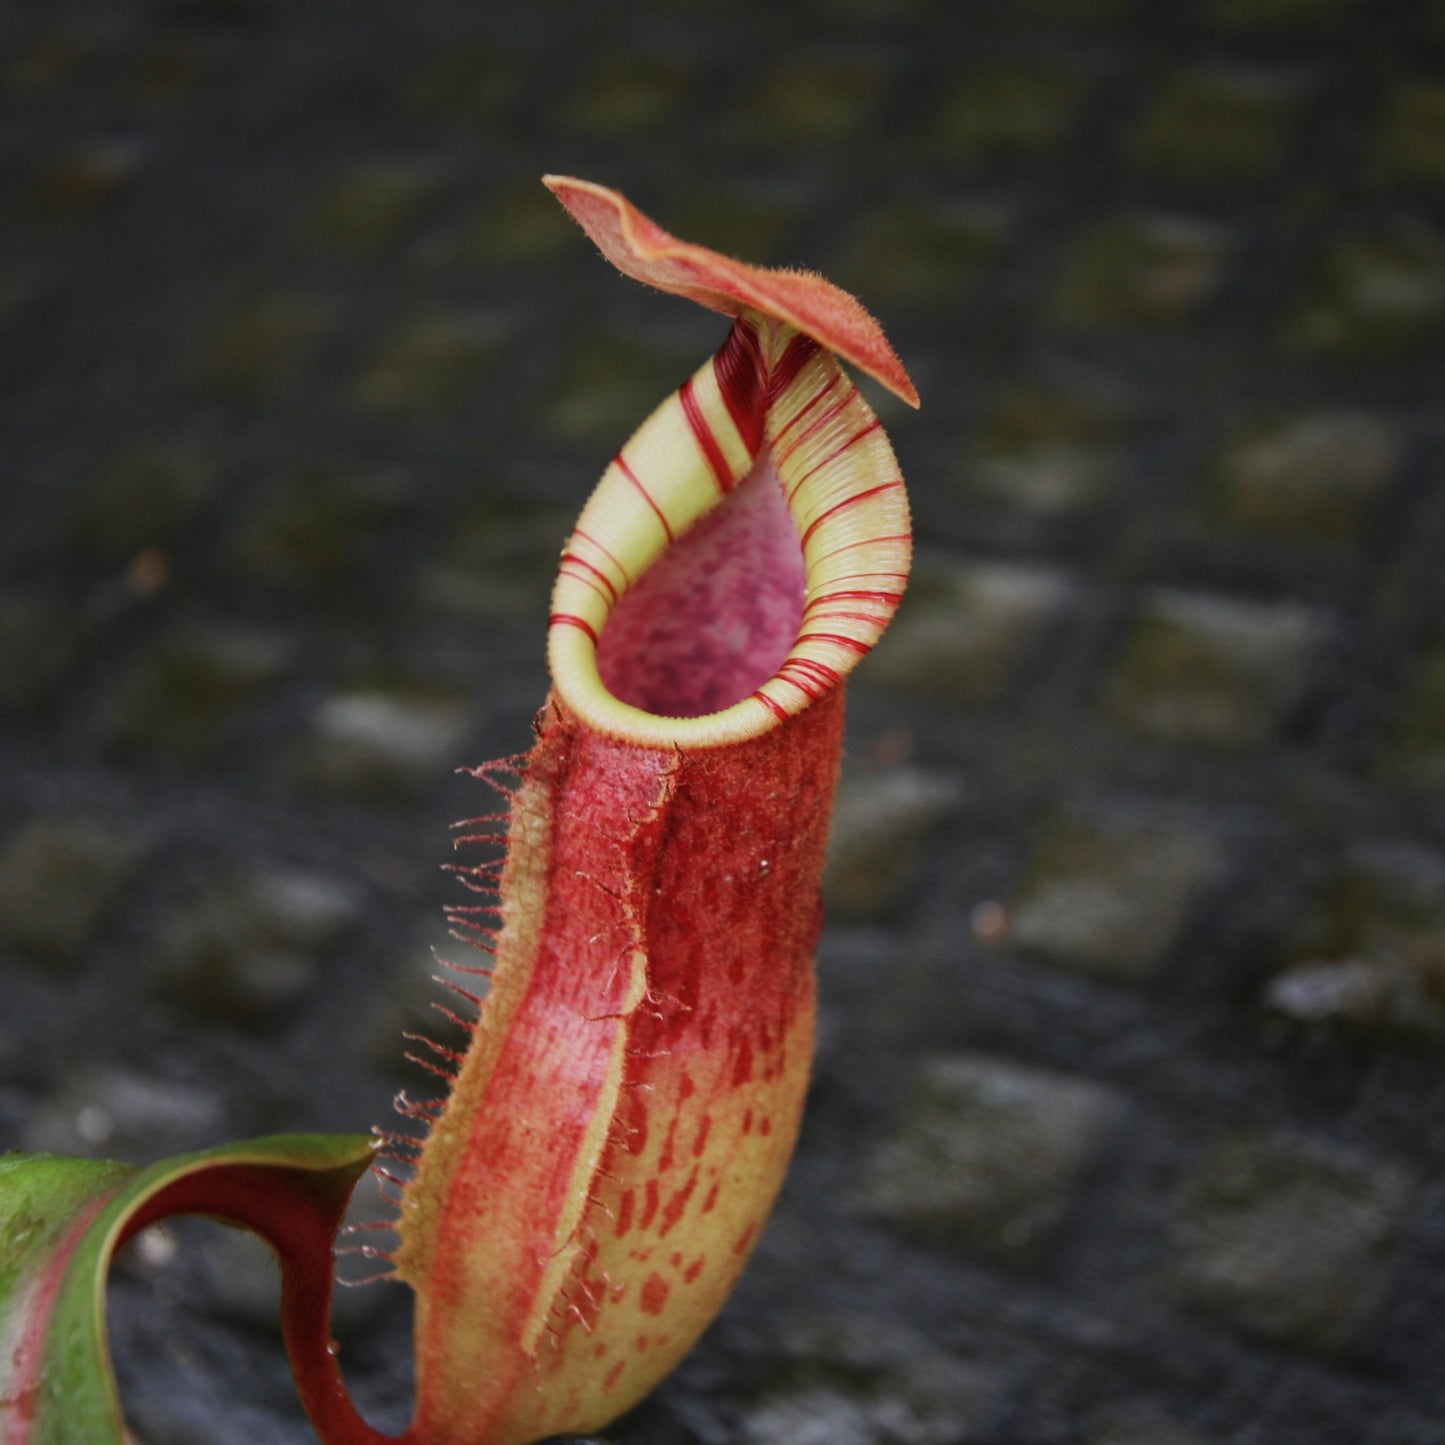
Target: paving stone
(313, 526)
(883, 822)
(1151, 271)
(436, 363)
(962, 632)
(372, 206)
(1212, 671)
(624, 94)
(385, 742)
(500, 559)
(263, 345)
(142, 499)
(1282, 1238)
(1217, 125)
(987, 1155)
(907, 256)
(183, 696)
(60, 877)
(1008, 112)
(246, 947)
(1372, 295)
(1410, 145)
(862, 1381)
(1111, 896)
(1370, 956)
(1049, 451)
(1314, 477)
(1414, 752)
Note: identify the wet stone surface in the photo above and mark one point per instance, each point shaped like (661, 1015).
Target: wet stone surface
(1212, 671)
(1111, 895)
(1289, 1241)
(987, 1155)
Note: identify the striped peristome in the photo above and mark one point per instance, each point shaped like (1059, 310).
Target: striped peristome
(771, 394)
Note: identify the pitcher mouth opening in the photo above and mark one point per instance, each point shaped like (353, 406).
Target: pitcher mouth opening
(717, 614)
(745, 548)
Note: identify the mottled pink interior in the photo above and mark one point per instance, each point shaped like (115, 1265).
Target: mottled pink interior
(716, 615)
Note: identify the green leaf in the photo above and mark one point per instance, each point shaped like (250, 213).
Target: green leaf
(61, 1221)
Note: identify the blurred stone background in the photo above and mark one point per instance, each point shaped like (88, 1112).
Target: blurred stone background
(1129, 1124)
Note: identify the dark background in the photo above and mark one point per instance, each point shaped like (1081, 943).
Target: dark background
(1130, 1105)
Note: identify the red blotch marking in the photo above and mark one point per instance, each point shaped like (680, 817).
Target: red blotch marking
(710, 1202)
(632, 1120)
(847, 502)
(655, 1291)
(599, 1351)
(694, 1269)
(613, 1376)
(677, 1204)
(664, 1163)
(703, 1130)
(649, 1208)
(748, 1122)
(644, 1343)
(646, 495)
(745, 1240)
(624, 1212)
(686, 1088)
(738, 368)
(765, 1126)
(743, 1063)
(566, 618)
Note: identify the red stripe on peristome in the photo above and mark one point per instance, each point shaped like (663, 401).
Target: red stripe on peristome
(569, 620)
(837, 639)
(600, 576)
(849, 502)
(799, 351)
(593, 542)
(833, 456)
(702, 430)
(869, 542)
(631, 476)
(818, 424)
(738, 368)
(888, 599)
(808, 405)
(774, 707)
